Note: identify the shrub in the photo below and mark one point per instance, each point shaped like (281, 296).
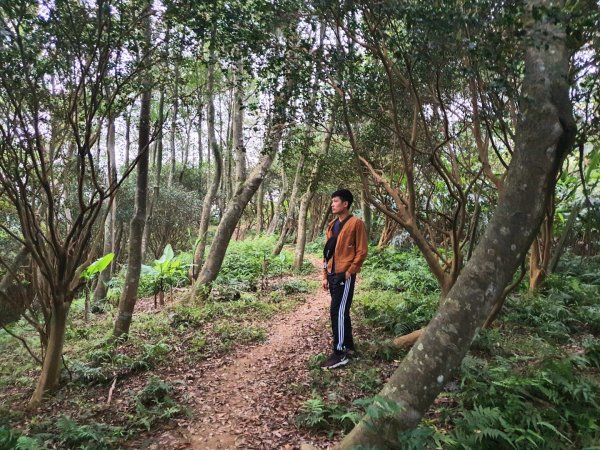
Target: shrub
(400, 271)
(397, 313)
(246, 262)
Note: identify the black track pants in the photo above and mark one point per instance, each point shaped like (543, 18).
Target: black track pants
(341, 291)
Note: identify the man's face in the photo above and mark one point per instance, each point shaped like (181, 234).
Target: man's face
(338, 205)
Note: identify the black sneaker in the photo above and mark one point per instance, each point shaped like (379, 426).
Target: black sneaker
(335, 360)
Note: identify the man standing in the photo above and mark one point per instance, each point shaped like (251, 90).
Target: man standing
(345, 251)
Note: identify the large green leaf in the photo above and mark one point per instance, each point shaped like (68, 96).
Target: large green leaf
(97, 266)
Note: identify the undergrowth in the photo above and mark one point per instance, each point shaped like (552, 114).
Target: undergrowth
(257, 286)
(530, 382)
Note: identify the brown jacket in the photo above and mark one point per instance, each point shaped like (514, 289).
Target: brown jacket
(351, 248)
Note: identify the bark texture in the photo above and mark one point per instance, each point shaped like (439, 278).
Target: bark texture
(544, 136)
(49, 377)
(136, 233)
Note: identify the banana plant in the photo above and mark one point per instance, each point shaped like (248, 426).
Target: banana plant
(163, 272)
(89, 274)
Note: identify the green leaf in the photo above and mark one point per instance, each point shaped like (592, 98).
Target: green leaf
(97, 266)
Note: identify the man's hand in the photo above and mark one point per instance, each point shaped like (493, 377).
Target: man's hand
(348, 275)
(325, 284)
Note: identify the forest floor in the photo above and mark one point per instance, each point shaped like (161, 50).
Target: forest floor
(241, 370)
(237, 373)
(249, 398)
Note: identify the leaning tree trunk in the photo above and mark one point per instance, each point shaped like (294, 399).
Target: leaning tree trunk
(233, 213)
(136, 229)
(544, 136)
(216, 180)
(237, 204)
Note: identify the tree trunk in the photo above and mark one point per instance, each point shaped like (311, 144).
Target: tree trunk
(109, 226)
(238, 126)
(274, 224)
(174, 120)
(216, 180)
(157, 173)
(136, 233)
(308, 197)
(233, 213)
(236, 206)
(390, 228)
(11, 308)
(49, 377)
(324, 218)
(127, 137)
(291, 212)
(558, 249)
(367, 215)
(544, 136)
(259, 209)
(541, 250)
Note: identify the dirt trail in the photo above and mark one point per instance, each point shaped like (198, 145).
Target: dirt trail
(248, 399)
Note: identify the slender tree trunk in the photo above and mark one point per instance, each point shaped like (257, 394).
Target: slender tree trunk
(109, 226)
(558, 249)
(136, 233)
(541, 250)
(11, 308)
(174, 121)
(200, 155)
(308, 197)
(157, 173)
(291, 212)
(274, 224)
(200, 107)
(390, 228)
(127, 137)
(238, 125)
(259, 209)
(367, 214)
(186, 152)
(324, 218)
(216, 180)
(544, 136)
(117, 247)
